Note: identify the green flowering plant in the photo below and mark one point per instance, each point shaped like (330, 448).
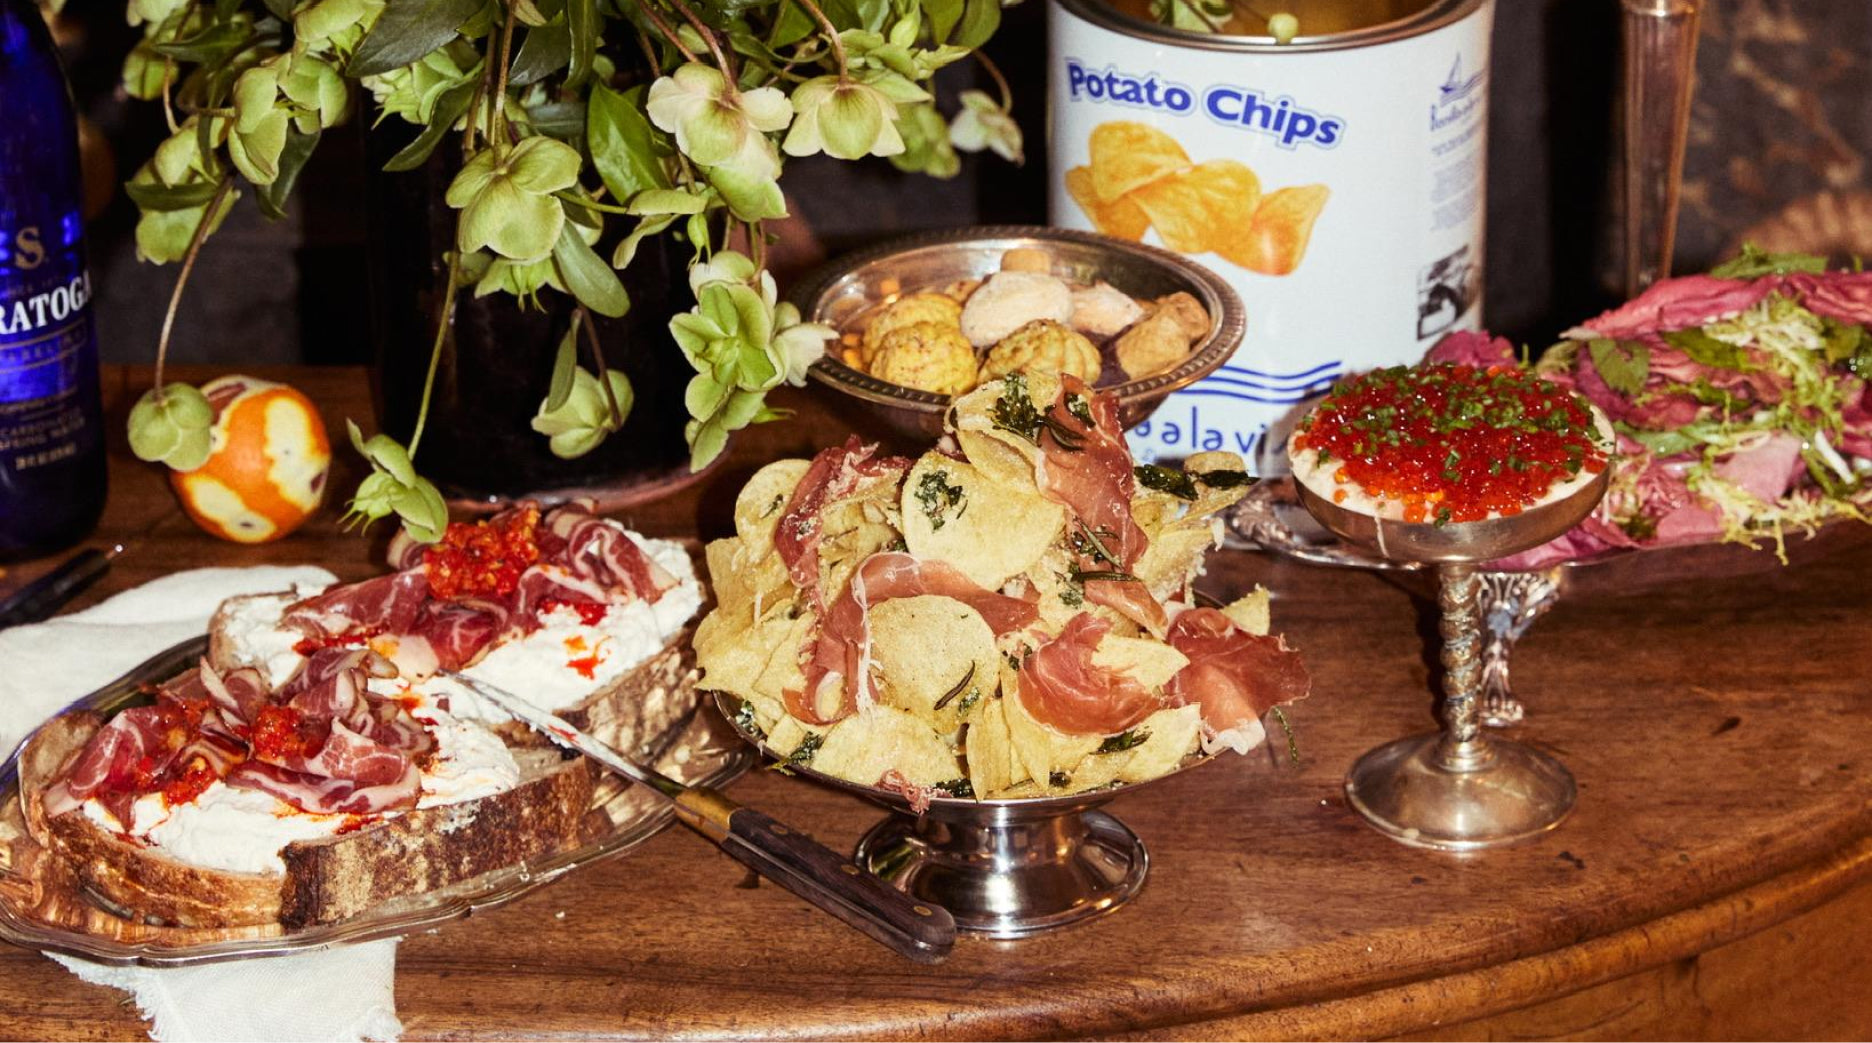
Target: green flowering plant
(584, 128)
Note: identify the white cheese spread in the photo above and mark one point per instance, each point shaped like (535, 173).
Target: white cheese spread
(243, 830)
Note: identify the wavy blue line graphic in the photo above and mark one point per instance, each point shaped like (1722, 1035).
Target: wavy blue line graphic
(1209, 391)
(1335, 366)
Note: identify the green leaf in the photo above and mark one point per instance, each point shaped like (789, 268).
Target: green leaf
(449, 108)
(565, 365)
(280, 9)
(1623, 365)
(587, 276)
(563, 120)
(792, 25)
(583, 24)
(1707, 350)
(625, 148)
(1753, 262)
(656, 201)
(943, 16)
(407, 30)
(1843, 340)
(155, 198)
(272, 198)
(210, 45)
(627, 249)
(980, 19)
(543, 51)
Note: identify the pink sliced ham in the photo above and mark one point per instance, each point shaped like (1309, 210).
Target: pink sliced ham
(837, 654)
(1235, 676)
(835, 473)
(598, 551)
(385, 604)
(1676, 304)
(1061, 686)
(324, 795)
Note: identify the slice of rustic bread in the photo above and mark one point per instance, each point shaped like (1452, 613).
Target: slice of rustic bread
(325, 880)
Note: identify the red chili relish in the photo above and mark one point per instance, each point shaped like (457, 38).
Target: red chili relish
(1452, 443)
(483, 559)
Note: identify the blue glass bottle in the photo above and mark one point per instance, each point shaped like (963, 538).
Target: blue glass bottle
(51, 419)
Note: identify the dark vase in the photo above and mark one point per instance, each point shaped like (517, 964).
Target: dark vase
(497, 359)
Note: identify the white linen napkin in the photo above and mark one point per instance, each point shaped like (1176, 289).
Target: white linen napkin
(346, 993)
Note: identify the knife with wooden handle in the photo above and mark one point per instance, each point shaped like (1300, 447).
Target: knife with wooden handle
(911, 928)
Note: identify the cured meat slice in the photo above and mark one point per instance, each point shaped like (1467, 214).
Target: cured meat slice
(1234, 675)
(321, 795)
(1090, 473)
(602, 553)
(839, 653)
(1061, 687)
(1131, 599)
(836, 472)
(386, 604)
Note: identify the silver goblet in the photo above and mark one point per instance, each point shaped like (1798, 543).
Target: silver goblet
(1458, 789)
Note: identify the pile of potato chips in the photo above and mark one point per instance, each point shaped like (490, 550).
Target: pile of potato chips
(947, 714)
(1140, 178)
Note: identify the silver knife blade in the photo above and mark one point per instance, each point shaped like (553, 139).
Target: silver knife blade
(910, 927)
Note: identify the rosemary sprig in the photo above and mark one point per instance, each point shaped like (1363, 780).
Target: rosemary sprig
(950, 695)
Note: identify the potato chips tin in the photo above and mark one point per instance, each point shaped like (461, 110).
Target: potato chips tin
(1337, 182)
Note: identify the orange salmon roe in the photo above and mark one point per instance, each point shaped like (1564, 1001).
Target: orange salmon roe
(1453, 443)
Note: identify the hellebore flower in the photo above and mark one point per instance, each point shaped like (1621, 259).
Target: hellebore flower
(506, 197)
(984, 124)
(844, 118)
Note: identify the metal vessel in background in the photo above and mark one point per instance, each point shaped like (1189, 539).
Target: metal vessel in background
(1337, 182)
(51, 415)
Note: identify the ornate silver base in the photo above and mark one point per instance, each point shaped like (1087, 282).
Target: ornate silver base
(1009, 875)
(1433, 791)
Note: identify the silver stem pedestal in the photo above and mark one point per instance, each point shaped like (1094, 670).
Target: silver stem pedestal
(1460, 789)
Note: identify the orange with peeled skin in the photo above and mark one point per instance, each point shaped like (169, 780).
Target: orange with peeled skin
(267, 465)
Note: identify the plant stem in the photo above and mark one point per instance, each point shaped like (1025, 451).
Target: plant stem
(832, 35)
(668, 33)
(435, 350)
(708, 37)
(591, 204)
(169, 70)
(182, 278)
(497, 118)
(598, 363)
(1001, 83)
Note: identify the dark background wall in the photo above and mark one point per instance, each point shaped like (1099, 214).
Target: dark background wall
(1781, 128)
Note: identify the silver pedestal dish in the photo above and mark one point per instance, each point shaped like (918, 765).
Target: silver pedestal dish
(1458, 789)
(1003, 868)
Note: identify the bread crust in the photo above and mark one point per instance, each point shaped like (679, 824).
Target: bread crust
(417, 852)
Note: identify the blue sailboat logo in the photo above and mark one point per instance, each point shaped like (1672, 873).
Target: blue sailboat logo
(1455, 88)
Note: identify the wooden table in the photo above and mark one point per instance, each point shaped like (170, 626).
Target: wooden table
(1713, 882)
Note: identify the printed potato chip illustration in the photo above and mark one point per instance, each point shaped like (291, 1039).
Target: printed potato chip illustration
(1127, 156)
(1277, 237)
(1122, 219)
(1199, 209)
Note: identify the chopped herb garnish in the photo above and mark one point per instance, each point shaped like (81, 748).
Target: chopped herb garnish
(1058, 779)
(803, 753)
(1072, 595)
(968, 702)
(774, 506)
(950, 695)
(1080, 407)
(938, 497)
(745, 720)
(962, 788)
(1124, 741)
(1169, 480)
(1086, 543)
(1014, 411)
(1293, 743)
(1110, 574)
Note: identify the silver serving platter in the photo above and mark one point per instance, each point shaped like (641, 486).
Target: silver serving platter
(41, 908)
(843, 291)
(1004, 868)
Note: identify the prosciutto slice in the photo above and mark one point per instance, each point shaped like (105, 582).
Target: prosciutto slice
(600, 552)
(1060, 685)
(386, 604)
(1130, 599)
(838, 654)
(324, 795)
(1235, 676)
(1093, 476)
(835, 473)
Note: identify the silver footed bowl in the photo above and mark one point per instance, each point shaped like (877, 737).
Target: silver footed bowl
(1459, 789)
(840, 292)
(1003, 868)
